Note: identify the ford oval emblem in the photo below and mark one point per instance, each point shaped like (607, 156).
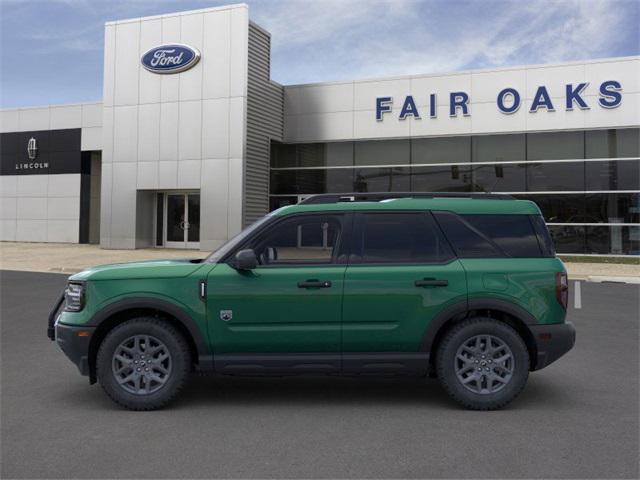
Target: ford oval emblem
(171, 58)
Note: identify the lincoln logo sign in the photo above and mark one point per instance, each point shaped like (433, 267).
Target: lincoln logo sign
(508, 101)
(172, 58)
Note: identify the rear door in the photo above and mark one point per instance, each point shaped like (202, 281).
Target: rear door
(401, 274)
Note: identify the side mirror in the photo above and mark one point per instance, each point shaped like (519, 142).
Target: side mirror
(246, 260)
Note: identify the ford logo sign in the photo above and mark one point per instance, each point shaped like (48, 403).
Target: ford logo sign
(172, 58)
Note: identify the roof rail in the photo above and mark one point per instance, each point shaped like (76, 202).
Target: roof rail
(379, 196)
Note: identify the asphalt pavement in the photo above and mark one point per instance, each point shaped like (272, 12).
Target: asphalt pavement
(577, 418)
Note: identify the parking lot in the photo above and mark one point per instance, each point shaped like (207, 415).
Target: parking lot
(578, 418)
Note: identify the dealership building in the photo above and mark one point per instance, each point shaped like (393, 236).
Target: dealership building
(193, 141)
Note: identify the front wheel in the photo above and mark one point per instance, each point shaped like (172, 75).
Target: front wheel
(483, 364)
(143, 363)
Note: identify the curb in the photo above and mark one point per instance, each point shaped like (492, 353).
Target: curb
(616, 279)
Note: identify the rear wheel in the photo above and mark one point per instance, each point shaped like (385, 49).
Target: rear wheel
(143, 363)
(483, 363)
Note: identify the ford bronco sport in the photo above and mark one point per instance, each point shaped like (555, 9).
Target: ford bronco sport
(466, 287)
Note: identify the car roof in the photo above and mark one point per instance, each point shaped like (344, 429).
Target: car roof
(461, 205)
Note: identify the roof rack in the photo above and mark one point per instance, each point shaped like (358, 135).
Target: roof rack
(379, 196)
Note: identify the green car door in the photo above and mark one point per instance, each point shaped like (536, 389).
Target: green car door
(401, 274)
(290, 303)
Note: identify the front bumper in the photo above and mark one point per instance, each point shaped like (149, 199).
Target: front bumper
(552, 342)
(74, 342)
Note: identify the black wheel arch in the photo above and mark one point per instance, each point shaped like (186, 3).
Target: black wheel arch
(510, 313)
(122, 310)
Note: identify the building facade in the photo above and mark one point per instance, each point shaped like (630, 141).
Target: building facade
(193, 141)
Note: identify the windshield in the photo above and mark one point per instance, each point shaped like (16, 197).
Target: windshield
(230, 244)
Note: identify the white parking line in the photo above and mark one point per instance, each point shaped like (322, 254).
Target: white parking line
(577, 296)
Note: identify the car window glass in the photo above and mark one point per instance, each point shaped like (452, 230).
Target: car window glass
(401, 238)
(512, 233)
(466, 240)
(303, 240)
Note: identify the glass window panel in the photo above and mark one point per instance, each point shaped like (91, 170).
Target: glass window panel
(415, 239)
(339, 180)
(339, 154)
(382, 152)
(396, 179)
(454, 178)
(613, 207)
(559, 208)
(441, 150)
(550, 177)
(283, 155)
(568, 238)
(193, 234)
(613, 175)
(613, 240)
(555, 145)
(467, 242)
(278, 202)
(613, 143)
(499, 178)
(303, 182)
(499, 148)
(310, 155)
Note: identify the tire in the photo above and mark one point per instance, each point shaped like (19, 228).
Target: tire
(504, 371)
(143, 363)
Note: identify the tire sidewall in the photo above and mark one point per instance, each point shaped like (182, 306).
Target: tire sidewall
(448, 351)
(179, 359)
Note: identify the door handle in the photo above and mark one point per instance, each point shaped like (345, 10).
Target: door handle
(314, 284)
(431, 282)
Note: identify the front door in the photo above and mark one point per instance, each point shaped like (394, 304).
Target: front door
(286, 313)
(182, 220)
(402, 273)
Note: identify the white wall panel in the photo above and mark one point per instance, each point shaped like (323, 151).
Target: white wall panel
(170, 84)
(64, 185)
(215, 128)
(168, 174)
(109, 68)
(32, 185)
(189, 174)
(65, 116)
(125, 134)
(91, 115)
(169, 131)
(8, 208)
(336, 97)
(192, 35)
(214, 202)
(63, 231)
(238, 61)
(149, 83)
(147, 175)
(237, 127)
(422, 86)
(149, 132)
(215, 61)
(9, 120)
(554, 78)
(485, 86)
(31, 230)
(91, 138)
(63, 208)
(626, 72)
(365, 93)
(127, 63)
(34, 119)
(8, 185)
(236, 171)
(190, 130)
(8, 230)
(32, 208)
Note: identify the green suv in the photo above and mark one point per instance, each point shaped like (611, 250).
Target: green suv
(465, 287)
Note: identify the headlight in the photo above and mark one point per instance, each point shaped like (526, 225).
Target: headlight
(74, 297)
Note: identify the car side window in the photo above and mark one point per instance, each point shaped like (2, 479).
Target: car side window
(400, 238)
(303, 240)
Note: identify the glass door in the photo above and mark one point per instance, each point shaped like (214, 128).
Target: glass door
(182, 220)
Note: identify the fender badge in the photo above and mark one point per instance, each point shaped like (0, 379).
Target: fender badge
(226, 315)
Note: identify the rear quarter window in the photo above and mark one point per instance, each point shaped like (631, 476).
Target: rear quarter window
(491, 236)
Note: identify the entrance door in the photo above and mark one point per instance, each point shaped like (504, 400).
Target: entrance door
(182, 220)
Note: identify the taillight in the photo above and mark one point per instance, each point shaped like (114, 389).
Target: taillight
(562, 289)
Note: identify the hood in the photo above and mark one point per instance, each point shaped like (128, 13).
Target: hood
(174, 268)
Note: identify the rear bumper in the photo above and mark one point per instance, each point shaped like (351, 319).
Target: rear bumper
(552, 342)
(74, 342)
